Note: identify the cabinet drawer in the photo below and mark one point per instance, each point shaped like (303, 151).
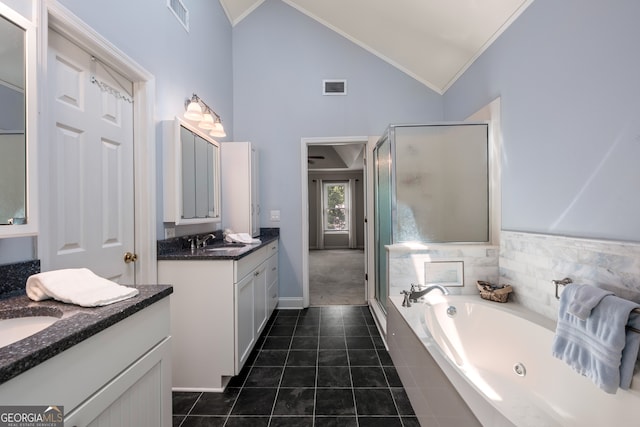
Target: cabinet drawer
(272, 248)
(272, 269)
(272, 297)
(249, 263)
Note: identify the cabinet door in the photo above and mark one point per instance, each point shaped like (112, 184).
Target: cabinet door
(260, 297)
(244, 315)
(188, 147)
(255, 197)
(140, 396)
(272, 283)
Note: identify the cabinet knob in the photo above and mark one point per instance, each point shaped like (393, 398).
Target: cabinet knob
(130, 257)
(256, 274)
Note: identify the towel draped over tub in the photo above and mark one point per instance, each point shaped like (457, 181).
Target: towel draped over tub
(598, 346)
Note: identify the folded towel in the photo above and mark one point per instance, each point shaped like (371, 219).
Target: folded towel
(630, 352)
(78, 286)
(585, 299)
(241, 238)
(594, 347)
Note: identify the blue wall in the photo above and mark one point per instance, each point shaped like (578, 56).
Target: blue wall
(568, 74)
(280, 57)
(182, 63)
(566, 71)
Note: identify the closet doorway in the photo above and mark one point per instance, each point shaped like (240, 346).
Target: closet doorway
(336, 212)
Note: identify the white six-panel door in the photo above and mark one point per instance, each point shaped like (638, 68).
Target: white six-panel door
(91, 180)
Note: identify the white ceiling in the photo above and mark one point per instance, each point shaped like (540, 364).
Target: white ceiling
(336, 156)
(434, 41)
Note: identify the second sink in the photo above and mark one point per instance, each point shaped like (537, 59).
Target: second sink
(19, 324)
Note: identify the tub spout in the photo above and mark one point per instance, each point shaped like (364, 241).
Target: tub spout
(415, 293)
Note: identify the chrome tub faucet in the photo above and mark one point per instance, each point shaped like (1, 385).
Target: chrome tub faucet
(417, 292)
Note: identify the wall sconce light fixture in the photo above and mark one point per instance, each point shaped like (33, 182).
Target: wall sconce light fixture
(199, 111)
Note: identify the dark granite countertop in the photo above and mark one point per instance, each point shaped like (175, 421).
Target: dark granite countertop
(76, 324)
(175, 249)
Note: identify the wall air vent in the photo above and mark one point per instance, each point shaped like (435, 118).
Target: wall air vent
(180, 12)
(334, 87)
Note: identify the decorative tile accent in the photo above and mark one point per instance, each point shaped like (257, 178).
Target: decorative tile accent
(407, 264)
(530, 261)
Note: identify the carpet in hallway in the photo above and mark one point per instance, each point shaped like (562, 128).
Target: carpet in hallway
(336, 277)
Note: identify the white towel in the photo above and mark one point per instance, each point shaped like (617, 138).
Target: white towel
(78, 286)
(241, 238)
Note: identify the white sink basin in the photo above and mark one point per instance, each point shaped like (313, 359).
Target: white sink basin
(225, 247)
(222, 249)
(12, 330)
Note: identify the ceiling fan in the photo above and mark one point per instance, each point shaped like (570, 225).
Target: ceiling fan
(311, 159)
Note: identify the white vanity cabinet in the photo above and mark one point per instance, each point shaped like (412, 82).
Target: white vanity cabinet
(120, 376)
(219, 308)
(240, 195)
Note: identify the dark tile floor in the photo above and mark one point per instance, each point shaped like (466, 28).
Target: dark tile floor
(321, 367)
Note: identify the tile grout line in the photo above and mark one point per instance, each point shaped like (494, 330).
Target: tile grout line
(190, 409)
(315, 389)
(386, 377)
(284, 367)
(314, 322)
(259, 348)
(353, 388)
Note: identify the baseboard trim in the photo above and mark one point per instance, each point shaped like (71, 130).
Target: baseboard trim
(287, 303)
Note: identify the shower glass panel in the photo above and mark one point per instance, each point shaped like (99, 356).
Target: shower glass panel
(442, 176)
(382, 200)
(431, 186)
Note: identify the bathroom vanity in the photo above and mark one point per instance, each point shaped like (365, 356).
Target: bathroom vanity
(106, 365)
(221, 302)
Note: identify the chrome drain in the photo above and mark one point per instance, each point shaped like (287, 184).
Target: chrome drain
(519, 369)
(452, 311)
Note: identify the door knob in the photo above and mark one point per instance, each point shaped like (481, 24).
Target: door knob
(130, 257)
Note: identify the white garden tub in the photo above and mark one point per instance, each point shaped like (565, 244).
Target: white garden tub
(503, 352)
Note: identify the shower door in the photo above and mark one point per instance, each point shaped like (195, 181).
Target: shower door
(382, 199)
(431, 186)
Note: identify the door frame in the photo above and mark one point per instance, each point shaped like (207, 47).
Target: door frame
(304, 169)
(52, 15)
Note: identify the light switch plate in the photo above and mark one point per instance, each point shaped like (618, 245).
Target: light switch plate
(169, 232)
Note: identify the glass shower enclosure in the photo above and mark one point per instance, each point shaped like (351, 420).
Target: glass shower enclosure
(431, 185)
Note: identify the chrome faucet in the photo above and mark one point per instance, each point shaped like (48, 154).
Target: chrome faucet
(202, 242)
(416, 292)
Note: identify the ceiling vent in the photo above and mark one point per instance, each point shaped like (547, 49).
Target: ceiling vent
(334, 87)
(180, 12)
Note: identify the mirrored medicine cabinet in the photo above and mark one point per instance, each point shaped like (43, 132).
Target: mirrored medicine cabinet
(191, 174)
(18, 195)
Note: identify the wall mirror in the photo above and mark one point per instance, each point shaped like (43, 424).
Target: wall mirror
(17, 125)
(191, 175)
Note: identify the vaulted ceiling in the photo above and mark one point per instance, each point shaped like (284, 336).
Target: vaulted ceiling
(434, 41)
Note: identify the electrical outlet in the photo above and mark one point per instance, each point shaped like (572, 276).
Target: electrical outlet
(275, 216)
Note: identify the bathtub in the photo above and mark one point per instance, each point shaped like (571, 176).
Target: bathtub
(498, 357)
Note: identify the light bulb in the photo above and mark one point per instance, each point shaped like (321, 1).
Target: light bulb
(194, 111)
(207, 121)
(218, 130)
